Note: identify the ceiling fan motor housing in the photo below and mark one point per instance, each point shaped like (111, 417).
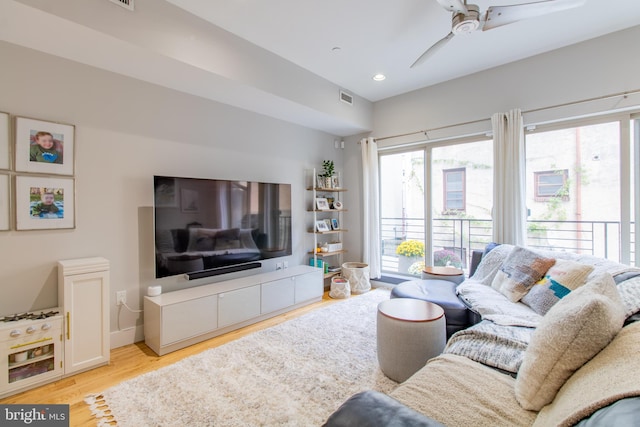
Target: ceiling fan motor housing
(465, 23)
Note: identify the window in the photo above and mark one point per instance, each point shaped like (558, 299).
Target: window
(454, 189)
(551, 183)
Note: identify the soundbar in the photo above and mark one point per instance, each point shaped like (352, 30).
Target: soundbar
(221, 270)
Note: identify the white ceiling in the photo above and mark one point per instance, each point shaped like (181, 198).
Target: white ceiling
(382, 36)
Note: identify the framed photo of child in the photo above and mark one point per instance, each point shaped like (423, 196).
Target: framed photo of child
(44, 147)
(44, 203)
(4, 202)
(5, 156)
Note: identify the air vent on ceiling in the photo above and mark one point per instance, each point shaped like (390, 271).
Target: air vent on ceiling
(127, 4)
(346, 98)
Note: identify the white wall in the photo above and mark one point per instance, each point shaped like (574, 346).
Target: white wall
(594, 68)
(597, 67)
(127, 131)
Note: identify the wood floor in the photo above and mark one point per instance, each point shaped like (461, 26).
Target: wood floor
(128, 362)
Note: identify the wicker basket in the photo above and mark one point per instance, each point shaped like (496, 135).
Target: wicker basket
(340, 288)
(357, 273)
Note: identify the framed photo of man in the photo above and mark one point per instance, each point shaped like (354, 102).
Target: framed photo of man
(44, 147)
(44, 203)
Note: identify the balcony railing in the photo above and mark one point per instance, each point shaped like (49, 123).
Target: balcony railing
(462, 236)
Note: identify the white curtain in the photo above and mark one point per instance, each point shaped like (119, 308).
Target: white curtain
(509, 183)
(371, 207)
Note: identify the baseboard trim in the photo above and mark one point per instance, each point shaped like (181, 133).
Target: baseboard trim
(127, 336)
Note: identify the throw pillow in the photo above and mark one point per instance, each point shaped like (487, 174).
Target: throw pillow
(490, 264)
(608, 377)
(201, 239)
(571, 333)
(519, 272)
(228, 239)
(565, 276)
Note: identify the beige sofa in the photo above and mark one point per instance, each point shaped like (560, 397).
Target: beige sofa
(580, 362)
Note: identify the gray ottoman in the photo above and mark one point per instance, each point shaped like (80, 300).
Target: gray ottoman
(440, 292)
(410, 332)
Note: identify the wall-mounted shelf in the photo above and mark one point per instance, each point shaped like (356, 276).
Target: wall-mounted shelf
(320, 258)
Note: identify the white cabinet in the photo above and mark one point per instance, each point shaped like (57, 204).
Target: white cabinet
(175, 320)
(308, 287)
(83, 294)
(238, 306)
(189, 319)
(278, 294)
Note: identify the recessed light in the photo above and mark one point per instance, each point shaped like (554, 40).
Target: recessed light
(336, 49)
(379, 77)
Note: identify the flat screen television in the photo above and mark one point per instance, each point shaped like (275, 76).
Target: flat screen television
(212, 224)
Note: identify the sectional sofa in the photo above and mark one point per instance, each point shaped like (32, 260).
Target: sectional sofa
(557, 344)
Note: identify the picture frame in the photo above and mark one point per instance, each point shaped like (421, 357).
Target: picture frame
(5, 203)
(322, 204)
(44, 203)
(44, 147)
(321, 226)
(165, 193)
(335, 181)
(189, 201)
(335, 224)
(328, 222)
(5, 147)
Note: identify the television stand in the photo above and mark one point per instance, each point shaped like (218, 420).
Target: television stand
(178, 319)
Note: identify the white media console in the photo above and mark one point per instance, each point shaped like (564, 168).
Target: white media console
(182, 318)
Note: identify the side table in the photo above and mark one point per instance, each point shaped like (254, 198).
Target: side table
(409, 332)
(451, 274)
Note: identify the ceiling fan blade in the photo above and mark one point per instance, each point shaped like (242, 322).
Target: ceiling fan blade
(498, 16)
(455, 6)
(433, 49)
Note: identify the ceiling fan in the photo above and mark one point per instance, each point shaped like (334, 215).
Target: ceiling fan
(466, 18)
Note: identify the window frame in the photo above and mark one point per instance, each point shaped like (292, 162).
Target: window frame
(445, 172)
(546, 197)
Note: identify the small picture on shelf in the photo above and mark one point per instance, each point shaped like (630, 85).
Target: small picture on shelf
(335, 225)
(322, 204)
(337, 205)
(328, 222)
(335, 181)
(321, 226)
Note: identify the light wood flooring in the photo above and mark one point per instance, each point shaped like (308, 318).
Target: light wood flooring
(128, 362)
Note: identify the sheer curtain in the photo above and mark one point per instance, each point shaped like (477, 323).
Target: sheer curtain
(509, 183)
(371, 207)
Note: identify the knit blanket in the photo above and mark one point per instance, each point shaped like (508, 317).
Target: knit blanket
(491, 344)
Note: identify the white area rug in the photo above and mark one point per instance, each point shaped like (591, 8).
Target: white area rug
(293, 374)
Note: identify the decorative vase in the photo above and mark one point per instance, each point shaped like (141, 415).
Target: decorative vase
(324, 181)
(404, 262)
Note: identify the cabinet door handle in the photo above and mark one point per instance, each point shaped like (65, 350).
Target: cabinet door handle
(68, 325)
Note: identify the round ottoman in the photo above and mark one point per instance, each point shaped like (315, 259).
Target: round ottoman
(410, 332)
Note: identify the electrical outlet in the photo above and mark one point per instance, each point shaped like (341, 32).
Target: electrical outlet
(121, 297)
(278, 266)
(285, 264)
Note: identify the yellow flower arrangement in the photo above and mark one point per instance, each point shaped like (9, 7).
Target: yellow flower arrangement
(410, 248)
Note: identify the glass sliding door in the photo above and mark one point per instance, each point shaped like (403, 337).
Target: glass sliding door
(574, 189)
(402, 205)
(461, 201)
(435, 205)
